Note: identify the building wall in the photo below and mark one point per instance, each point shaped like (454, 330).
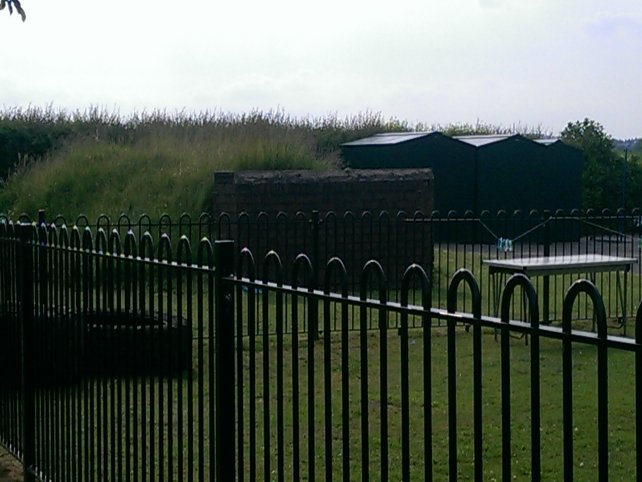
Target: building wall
(355, 190)
(272, 210)
(511, 174)
(518, 174)
(515, 173)
(451, 161)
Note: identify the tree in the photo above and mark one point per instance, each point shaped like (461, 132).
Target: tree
(634, 180)
(602, 185)
(11, 4)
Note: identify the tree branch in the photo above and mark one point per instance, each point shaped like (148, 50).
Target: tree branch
(13, 4)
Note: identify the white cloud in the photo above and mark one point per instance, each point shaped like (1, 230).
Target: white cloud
(504, 61)
(608, 23)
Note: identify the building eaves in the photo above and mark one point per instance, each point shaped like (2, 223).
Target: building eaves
(388, 138)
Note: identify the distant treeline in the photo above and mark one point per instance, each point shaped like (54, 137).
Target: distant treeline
(632, 146)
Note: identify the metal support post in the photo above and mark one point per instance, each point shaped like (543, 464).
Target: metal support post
(224, 346)
(26, 294)
(313, 326)
(547, 281)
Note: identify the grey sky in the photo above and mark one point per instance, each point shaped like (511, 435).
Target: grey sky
(528, 62)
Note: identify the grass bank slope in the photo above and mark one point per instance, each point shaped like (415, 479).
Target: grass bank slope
(156, 163)
(159, 163)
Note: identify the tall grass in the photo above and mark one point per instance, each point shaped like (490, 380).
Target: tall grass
(98, 161)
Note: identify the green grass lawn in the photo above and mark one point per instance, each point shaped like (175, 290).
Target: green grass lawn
(152, 406)
(621, 408)
(168, 417)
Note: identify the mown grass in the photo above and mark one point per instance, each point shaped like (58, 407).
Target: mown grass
(128, 403)
(621, 433)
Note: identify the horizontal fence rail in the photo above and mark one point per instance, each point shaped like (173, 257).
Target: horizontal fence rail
(400, 385)
(128, 356)
(108, 344)
(441, 242)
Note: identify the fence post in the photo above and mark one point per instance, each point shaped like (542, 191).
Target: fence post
(314, 319)
(547, 252)
(26, 297)
(41, 232)
(224, 375)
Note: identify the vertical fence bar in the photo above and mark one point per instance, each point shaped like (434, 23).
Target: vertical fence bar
(202, 284)
(25, 273)
(452, 402)
(531, 304)
(505, 384)
(383, 397)
(75, 305)
(638, 391)
(224, 343)
(313, 325)
(45, 459)
(345, 389)
(327, 386)
(602, 391)
(251, 331)
(313, 316)
(280, 409)
(477, 395)
(546, 281)
(296, 455)
(602, 373)
(476, 305)
(265, 338)
(96, 280)
(240, 381)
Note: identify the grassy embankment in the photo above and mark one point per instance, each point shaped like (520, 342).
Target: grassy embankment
(159, 163)
(100, 162)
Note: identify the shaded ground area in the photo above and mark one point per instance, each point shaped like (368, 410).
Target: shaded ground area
(10, 468)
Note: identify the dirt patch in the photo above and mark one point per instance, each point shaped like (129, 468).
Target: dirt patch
(10, 468)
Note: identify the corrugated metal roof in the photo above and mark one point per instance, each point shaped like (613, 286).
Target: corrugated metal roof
(547, 142)
(391, 138)
(388, 138)
(482, 140)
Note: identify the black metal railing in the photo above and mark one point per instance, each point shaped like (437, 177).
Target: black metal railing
(355, 388)
(442, 242)
(108, 351)
(130, 357)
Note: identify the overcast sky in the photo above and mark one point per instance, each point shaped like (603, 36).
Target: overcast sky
(504, 62)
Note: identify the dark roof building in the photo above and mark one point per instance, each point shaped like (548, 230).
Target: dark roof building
(479, 173)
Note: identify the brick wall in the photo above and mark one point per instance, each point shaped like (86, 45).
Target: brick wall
(363, 214)
(371, 190)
